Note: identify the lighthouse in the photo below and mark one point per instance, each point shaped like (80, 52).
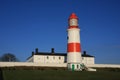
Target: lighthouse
(73, 47)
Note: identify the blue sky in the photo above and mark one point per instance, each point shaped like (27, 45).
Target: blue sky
(29, 24)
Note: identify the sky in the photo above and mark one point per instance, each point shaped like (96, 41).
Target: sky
(29, 24)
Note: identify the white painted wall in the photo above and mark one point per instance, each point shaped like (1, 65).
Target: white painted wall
(57, 59)
(11, 64)
(88, 60)
(47, 59)
(104, 65)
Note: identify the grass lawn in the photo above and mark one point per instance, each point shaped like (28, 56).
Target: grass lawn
(58, 75)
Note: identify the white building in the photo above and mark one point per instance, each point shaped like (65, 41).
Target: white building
(57, 58)
(87, 59)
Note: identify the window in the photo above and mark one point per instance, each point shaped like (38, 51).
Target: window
(53, 57)
(67, 37)
(47, 57)
(59, 57)
(82, 58)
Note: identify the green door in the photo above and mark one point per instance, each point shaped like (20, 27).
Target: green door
(73, 67)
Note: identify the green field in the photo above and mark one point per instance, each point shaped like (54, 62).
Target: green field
(58, 75)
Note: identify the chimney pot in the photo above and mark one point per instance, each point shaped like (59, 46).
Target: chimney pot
(52, 50)
(36, 50)
(84, 52)
(32, 53)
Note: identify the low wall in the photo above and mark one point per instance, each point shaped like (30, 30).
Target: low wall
(10, 64)
(104, 65)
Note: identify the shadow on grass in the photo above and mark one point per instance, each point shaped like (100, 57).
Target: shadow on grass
(1, 75)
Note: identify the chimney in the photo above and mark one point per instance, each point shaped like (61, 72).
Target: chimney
(32, 53)
(52, 50)
(36, 50)
(84, 52)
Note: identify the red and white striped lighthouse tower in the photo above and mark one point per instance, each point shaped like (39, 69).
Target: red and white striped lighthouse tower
(73, 46)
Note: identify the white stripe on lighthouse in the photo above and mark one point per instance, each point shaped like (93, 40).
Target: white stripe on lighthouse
(73, 35)
(74, 57)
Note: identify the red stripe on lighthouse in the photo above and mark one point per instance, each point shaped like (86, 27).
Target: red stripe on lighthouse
(73, 47)
(73, 27)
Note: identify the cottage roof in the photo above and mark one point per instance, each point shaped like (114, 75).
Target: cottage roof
(53, 53)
